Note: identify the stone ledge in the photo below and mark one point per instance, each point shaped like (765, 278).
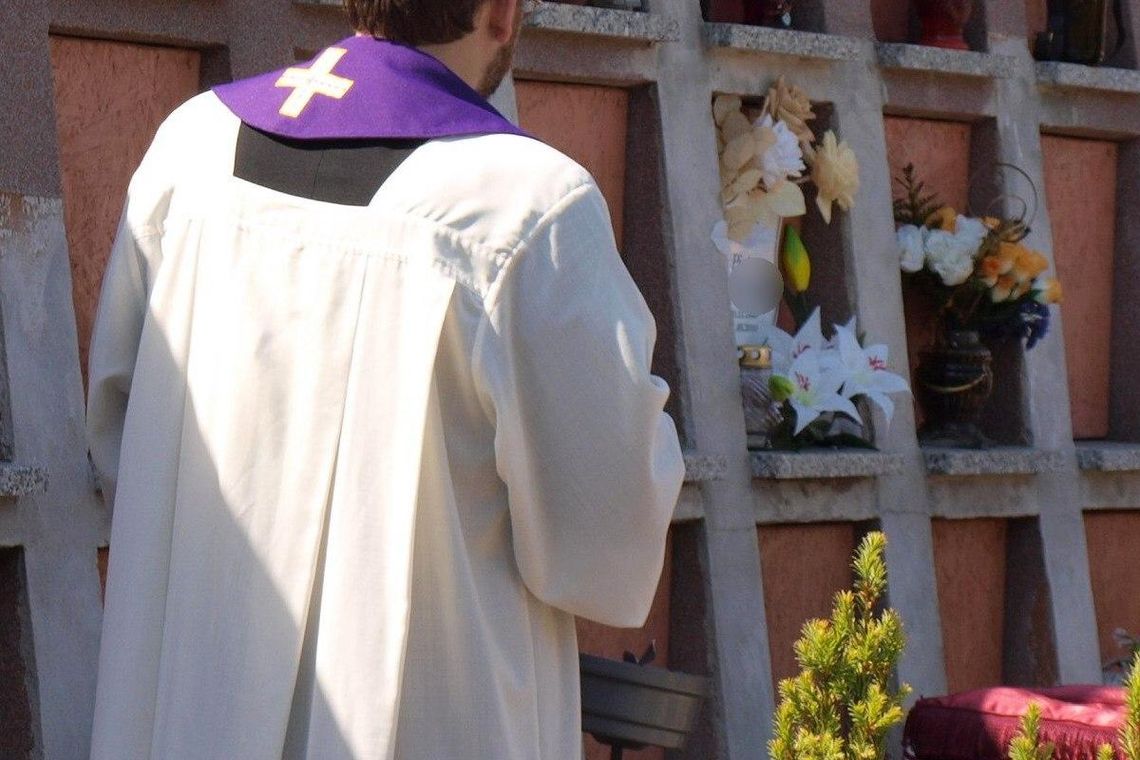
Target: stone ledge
(634, 26)
(1075, 76)
(996, 461)
(1106, 456)
(701, 469)
(896, 55)
(763, 39)
(823, 465)
(690, 504)
(19, 480)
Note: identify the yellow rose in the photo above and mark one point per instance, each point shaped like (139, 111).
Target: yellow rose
(835, 172)
(945, 219)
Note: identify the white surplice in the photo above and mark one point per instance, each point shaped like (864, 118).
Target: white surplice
(367, 463)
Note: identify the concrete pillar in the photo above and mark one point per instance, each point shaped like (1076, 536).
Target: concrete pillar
(59, 529)
(738, 642)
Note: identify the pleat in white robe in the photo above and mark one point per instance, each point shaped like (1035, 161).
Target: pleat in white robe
(368, 463)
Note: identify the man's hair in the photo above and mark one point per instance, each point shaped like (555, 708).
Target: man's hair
(414, 22)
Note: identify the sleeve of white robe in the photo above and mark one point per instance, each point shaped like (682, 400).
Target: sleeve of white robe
(114, 349)
(135, 255)
(592, 464)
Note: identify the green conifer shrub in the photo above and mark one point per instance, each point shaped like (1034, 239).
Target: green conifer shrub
(1130, 731)
(1026, 745)
(841, 704)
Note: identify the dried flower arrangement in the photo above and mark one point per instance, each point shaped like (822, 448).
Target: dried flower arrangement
(814, 383)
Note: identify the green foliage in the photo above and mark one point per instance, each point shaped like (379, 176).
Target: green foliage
(917, 205)
(841, 704)
(1130, 731)
(1026, 746)
(1105, 752)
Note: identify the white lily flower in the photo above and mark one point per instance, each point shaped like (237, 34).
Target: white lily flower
(782, 345)
(782, 159)
(912, 247)
(865, 372)
(787, 348)
(809, 337)
(816, 391)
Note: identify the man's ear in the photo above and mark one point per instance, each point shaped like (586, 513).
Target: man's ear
(503, 16)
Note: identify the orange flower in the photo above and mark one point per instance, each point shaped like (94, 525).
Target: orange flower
(945, 219)
(1011, 252)
(1051, 292)
(1029, 265)
(993, 267)
(1004, 288)
(991, 222)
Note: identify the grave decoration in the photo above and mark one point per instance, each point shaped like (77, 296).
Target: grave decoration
(799, 390)
(986, 287)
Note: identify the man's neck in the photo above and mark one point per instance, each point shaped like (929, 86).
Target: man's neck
(458, 57)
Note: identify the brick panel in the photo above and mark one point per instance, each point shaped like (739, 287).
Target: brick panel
(110, 98)
(587, 123)
(1082, 214)
(1112, 540)
(803, 567)
(969, 558)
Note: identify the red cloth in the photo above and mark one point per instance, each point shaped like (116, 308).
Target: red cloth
(978, 725)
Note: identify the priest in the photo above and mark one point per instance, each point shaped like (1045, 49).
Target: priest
(370, 398)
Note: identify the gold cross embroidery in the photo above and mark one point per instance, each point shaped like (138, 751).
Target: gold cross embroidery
(315, 80)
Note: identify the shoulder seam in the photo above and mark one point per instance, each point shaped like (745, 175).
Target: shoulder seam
(520, 248)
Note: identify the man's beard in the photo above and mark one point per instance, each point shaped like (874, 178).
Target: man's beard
(500, 65)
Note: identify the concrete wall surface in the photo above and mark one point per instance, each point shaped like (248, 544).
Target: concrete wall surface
(1009, 565)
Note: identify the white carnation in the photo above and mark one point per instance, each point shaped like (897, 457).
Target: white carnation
(971, 232)
(785, 158)
(949, 257)
(912, 255)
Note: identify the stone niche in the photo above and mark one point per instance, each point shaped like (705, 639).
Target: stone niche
(20, 737)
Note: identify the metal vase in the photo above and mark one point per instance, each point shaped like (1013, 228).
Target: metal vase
(954, 380)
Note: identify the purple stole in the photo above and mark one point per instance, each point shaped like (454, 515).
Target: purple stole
(364, 88)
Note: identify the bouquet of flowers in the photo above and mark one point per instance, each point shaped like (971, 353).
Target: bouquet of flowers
(763, 162)
(817, 385)
(978, 271)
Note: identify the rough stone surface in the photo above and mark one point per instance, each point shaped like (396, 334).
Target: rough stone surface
(996, 461)
(60, 528)
(782, 41)
(1109, 457)
(699, 468)
(603, 22)
(16, 480)
(808, 465)
(1075, 76)
(894, 55)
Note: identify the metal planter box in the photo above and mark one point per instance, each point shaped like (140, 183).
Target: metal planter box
(630, 705)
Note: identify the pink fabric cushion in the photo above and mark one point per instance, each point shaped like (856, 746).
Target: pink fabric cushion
(978, 725)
